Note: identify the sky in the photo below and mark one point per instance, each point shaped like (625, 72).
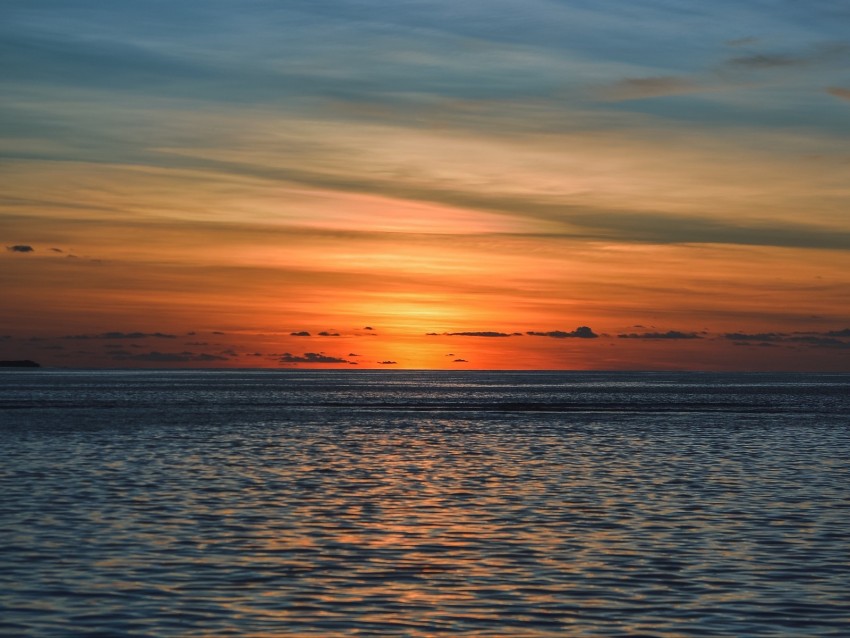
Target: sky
(426, 184)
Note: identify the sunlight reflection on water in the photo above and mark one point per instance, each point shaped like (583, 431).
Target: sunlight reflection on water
(257, 510)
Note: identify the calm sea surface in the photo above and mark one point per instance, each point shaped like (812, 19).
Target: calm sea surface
(257, 503)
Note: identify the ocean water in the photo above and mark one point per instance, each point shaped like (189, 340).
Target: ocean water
(390, 503)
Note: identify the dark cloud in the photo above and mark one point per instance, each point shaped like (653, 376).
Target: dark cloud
(167, 357)
(828, 339)
(582, 332)
(310, 357)
(217, 332)
(5, 337)
(461, 361)
(838, 333)
(353, 354)
(302, 333)
(484, 333)
(368, 328)
(20, 248)
(209, 357)
(123, 335)
(326, 333)
(670, 334)
(820, 342)
(387, 363)
(56, 250)
(758, 336)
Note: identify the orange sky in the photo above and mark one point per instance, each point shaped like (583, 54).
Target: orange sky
(165, 204)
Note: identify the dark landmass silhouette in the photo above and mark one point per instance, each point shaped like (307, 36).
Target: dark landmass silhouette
(26, 363)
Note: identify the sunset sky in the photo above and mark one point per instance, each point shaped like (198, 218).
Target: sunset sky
(534, 184)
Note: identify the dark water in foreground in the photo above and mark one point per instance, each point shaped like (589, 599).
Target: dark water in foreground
(417, 504)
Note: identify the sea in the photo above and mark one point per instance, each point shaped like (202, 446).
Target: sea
(421, 503)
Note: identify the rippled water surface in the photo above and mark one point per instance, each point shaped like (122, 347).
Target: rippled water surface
(260, 503)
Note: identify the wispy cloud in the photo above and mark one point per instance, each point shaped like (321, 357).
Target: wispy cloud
(650, 87)
(582, 332)
(670, 334)
(123, 335)
(839, 92)
(480, 333)
(821, 53)
(167, 357)
(310, 357)
(835, 339)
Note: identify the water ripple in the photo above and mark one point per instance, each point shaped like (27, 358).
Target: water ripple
(202, 515)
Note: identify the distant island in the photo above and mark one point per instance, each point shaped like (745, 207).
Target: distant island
(26, 363)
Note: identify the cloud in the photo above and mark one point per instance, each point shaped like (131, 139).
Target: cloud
(484, 333)
(649, 87)
(822, 53)
(461, 361)
(353, 354)
(302, 333)
(582, 332)
(820, 342)
(325, 333)
(575, 220)
(670, 334)
(838, 333)
(310, 357)
(839, 92)
(166, 357)
(368, 328)
(123, 335)
(828, 339)
(56, 250)
(20, 248)
(765, 61)
(387, 363)
(759, 336)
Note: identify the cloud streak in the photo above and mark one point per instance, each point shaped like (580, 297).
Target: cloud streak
(670, 334)
(582, 332)
(310, 357)
(122, 335)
